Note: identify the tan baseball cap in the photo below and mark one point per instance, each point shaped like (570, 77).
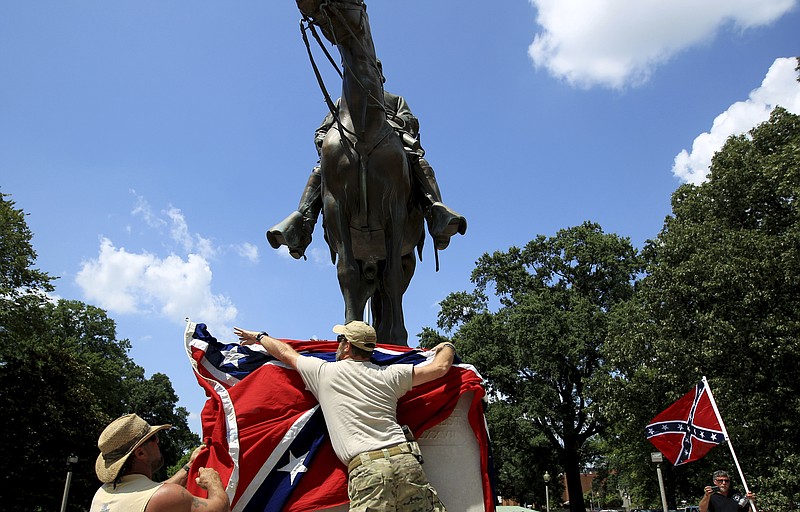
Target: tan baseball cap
(360, 334)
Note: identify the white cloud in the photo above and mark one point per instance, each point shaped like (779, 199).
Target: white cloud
(779, 88)
(317, 256)
(321, 257)
(179, 232)
(178, 228)
(617, 43)
(130, 283)
(283, 252)
(248, 251)
(173, 286)
(143, 210)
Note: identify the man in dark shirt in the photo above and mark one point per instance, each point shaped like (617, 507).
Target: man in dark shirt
(721, 497)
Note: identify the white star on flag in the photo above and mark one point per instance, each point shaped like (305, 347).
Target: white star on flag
(295, 466)
(232, 357)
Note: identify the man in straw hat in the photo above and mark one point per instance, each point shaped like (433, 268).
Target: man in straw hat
(129, 455)
(359, 402)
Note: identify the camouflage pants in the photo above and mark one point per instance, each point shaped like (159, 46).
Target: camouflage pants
(396, 484)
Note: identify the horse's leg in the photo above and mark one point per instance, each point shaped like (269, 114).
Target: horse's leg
(382, 313)
(409, 266)
(365, 288)
(347, 271)
(337, 233)
(393, 276)
(376, 306)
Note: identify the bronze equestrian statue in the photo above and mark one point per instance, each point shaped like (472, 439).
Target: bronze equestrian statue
(373, 184)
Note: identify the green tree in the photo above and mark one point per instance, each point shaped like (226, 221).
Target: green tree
(64, 376)
(797, 68)
(721, 299)
(521, 455)
(540, 350)
(154, 400)
(17, 257)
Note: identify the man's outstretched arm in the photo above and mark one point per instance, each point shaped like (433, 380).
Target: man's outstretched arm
(278, 349)
(440, 365)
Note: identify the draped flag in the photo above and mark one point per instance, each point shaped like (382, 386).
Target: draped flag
(266, 433)
(689, 428)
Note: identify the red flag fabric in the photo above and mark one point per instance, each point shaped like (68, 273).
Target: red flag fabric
(266, 433)
(687, 429)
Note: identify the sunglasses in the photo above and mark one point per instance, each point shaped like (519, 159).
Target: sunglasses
(722, 480)
(340, 338)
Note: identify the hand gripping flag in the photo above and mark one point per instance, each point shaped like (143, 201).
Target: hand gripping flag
(266, 433)
(689, 428)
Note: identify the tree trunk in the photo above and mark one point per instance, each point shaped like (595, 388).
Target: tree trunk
(572, 470)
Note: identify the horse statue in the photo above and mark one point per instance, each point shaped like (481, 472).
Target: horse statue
(371, 222)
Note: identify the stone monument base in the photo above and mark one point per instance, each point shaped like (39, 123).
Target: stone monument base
(452, 461)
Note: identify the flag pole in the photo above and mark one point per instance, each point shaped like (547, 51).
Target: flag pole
(728, 439)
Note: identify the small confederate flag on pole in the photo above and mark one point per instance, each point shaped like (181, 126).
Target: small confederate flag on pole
(689, 428)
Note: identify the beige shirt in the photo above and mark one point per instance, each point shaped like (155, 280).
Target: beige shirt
(130, 495)
(359, 401)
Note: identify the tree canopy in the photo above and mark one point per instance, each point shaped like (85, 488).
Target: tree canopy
(17, 257)
(540, 349)
(721, 299)
(582, 341)
(64, 376)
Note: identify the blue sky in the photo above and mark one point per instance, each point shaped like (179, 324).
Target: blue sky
(153, 143)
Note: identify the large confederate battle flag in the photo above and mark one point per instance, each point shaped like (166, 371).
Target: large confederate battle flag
(689, 428)
(266, 433)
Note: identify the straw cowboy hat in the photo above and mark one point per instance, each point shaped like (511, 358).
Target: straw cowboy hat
(118, 441)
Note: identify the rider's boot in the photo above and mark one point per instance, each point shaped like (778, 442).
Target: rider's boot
(443, 221)
(295, 230)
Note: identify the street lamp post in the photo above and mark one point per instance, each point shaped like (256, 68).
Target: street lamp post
(657, 458)
(547, 491)
(72, 459)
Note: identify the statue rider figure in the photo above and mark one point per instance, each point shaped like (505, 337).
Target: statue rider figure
(295, 230)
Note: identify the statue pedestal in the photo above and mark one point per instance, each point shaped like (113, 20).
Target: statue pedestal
(452, 461)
